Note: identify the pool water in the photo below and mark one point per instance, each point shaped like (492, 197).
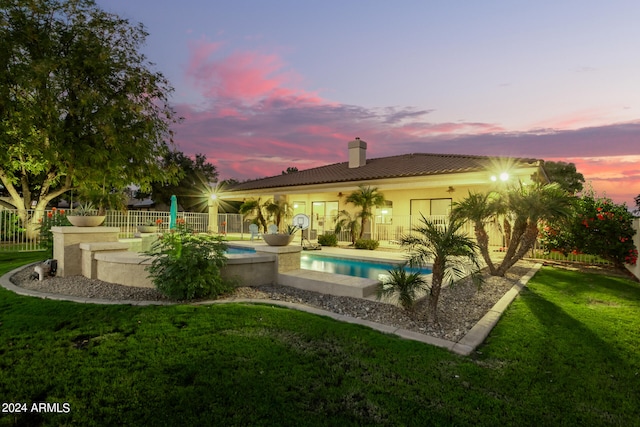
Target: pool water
(328, 264)
(235, 250)
(348, 267)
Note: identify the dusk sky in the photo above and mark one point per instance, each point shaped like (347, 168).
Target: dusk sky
(266, 85)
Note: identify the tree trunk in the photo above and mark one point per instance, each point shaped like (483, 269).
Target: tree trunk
(434, 295)
(483, 243)
(506, 226)
(518, 232)
(525, 244)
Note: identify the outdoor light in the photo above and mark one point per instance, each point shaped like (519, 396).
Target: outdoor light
(493, 178)
(504, 176)
(214, 197)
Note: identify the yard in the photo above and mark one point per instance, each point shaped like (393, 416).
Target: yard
(565, 353)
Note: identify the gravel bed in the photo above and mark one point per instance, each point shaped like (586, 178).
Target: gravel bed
(459, 308)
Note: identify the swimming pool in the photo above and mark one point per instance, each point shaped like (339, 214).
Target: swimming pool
(236, 250)
(348, 267)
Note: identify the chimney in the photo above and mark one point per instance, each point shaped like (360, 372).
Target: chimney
(357, 153)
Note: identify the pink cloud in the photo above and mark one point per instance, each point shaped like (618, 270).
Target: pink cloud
(257, 121)
(241, 76)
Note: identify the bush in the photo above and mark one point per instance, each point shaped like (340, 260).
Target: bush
(599, 227)
(187, 265)
(403, 286)
(367, 244)
(328, 240)
(55, 218)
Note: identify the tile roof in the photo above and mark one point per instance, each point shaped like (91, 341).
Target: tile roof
(405, 165)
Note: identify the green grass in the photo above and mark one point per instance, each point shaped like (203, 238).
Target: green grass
(565, 353)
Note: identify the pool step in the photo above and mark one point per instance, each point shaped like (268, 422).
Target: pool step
(328, 283)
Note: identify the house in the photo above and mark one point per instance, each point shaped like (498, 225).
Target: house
(413, 184)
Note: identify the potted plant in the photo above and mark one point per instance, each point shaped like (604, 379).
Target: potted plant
(281, 239)
(150, 226)
(85, 215)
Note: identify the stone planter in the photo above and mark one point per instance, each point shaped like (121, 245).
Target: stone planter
(86, 221)
(278, 239)
(147, 228)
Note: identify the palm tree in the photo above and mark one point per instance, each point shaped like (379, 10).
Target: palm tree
(452, 256)
(479, 208)
(529, 206)
(278, 210)
(254, 207)
(345, 221)
(365, 198)
(524, 207)
(403, 285)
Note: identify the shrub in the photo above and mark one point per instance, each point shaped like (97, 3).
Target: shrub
(187, 265)
(367, 244)
(55, 218)
(403, 286)
(599, 227)
(328, 240)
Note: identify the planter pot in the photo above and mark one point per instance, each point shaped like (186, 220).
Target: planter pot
(147, 228)
(86, 221)
(278, 239)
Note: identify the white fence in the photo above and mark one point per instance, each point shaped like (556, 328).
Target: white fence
(389, 230)
(14, 236)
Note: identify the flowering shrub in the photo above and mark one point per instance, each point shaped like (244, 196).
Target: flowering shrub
(53, 218)
(599, 227)
(187, 265)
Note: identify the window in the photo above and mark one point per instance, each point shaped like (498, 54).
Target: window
(428, 207)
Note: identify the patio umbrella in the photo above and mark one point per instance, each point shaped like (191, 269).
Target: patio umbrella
(173, 213)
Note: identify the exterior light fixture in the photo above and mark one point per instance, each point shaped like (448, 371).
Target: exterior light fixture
(504, 176)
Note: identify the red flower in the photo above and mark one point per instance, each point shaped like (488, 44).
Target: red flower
(61, 211)
(158, 221)
(49, 214)
(600, 217)
(53, 208)
(180, 221)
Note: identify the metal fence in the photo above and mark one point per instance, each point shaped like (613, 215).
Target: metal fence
(13, 235)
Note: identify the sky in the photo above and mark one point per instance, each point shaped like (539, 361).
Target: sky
(267, 85)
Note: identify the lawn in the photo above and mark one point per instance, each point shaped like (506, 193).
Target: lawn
(565, 353)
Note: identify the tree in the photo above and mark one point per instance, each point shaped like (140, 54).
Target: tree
(365, 198)
(526, 207)
(253, 207)
(80, 107)
(278, 210)
(598, 227)
(194, 184)
(345, 221)
(480, 209)
(290, 169)
(452, 256)
(565, 174)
